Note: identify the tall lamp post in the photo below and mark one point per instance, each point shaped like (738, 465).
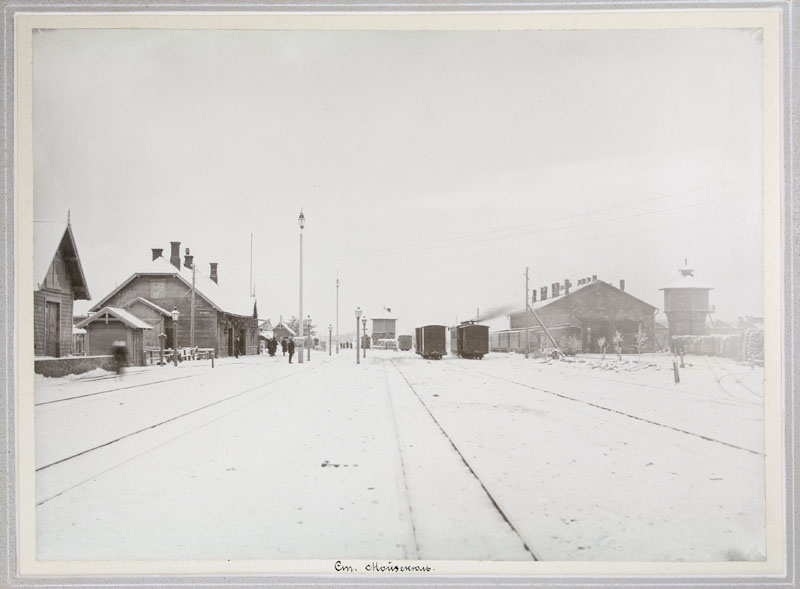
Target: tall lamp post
(364, 323)
(301, 220)
(337, 314)
(310, 341)
(175, 314)
(330, 333)
(358, 336)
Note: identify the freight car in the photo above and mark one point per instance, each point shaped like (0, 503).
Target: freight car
(469, 340)
(513, 340)
(431, 341)
(404, 342)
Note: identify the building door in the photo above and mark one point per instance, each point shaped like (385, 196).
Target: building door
(135, 353)
(52, 331)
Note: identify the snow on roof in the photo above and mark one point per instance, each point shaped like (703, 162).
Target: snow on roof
(219, 297)
(686, 279)
(127, 318)
(283, 326)
(47, 237)
(541, 304)
(147, 303)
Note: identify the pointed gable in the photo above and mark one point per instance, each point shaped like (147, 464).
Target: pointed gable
(51, 239)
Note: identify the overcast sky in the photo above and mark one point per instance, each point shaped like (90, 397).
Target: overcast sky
(432, 167)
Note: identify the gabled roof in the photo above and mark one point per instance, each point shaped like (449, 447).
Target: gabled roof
(687, 279)
(47, 238)
(573, 291)
(147, 303)
(282, 325)
(127, 318)
(218, 297)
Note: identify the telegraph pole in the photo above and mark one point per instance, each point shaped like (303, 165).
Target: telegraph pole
(527, 319)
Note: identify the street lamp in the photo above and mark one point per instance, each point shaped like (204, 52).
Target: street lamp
(330, 333)
(364, 323)
(337, 314)
(358, 336)
(310, 341)
(175, 314)
(301, 220)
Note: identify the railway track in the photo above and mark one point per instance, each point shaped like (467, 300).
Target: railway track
(114, 390)
(730, 374)
(600, 407)
(503, 513)
(288, 378)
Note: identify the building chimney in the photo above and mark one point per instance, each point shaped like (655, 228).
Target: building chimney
(157, 252)
(213, 275)
(543, 293)
(567, 284)
(594, 277)
(554, 289)
(188, 260)
(175, 254)
(534, 296)
(622, 285)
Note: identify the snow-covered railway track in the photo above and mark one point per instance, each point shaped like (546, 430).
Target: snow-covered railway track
(114, 390)
(600, 407)
(503, 517)
(125, 445)
(730, 374)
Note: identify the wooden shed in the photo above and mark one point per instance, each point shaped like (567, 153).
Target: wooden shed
(59, 281)
(111, 324)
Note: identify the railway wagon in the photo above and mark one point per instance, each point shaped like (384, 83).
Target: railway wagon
(405, 342)
(469, 340)
(513, 340)
(430, 342)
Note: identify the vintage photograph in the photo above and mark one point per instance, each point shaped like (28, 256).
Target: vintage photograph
(391, 295)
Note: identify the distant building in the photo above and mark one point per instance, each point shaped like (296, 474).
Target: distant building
(686, 304)
(578, 317)
(222, 320)
(59, 281)
(281, 330)
(384, 327)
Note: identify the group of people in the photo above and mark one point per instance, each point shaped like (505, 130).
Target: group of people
(287, 346)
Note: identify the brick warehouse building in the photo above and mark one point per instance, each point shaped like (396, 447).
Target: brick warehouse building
(59, 282)
(220, 317)
(591, 310)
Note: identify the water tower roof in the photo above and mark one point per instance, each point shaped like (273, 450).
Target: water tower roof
(687, 279)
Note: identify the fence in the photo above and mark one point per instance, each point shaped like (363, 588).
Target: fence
(748, 345)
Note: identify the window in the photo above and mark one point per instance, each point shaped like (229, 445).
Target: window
(158, 289)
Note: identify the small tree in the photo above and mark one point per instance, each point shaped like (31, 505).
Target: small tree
(294, 325)
(641, 340)
(601, 342)
(618, 344)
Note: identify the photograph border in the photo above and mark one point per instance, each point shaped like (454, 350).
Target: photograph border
(782, 323)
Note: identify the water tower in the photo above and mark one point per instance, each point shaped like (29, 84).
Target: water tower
(686, 303)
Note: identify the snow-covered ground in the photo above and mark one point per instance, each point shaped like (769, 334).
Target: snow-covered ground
(502, 459)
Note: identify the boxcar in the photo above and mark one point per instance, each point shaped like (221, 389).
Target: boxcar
(431, 341)
(469, 340)
(404, 342)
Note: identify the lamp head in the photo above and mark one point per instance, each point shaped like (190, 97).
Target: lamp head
(358, 313)
(301, 219)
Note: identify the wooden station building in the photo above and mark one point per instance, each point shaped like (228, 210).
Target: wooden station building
(222, 320)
